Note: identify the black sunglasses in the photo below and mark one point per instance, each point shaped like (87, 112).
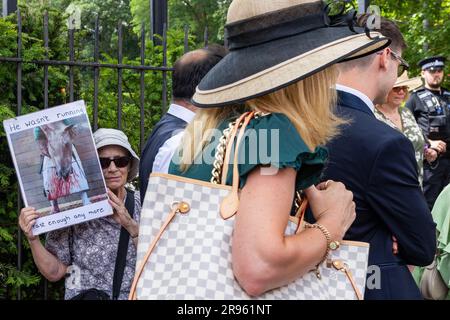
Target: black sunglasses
(403, 64)
(119, 162)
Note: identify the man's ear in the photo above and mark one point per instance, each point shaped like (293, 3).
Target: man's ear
(422, 73)
(383, 59)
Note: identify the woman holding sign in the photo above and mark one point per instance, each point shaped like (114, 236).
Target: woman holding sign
(97, 256)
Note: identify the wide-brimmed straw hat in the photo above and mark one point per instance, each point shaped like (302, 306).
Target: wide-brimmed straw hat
(405, 81)
(107, 137)
(276, 43)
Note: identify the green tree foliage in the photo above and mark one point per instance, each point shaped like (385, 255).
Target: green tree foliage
(131, 89)
(32, 100)
(29, 279)
(196, 14)
(110, 13)
(425, 26)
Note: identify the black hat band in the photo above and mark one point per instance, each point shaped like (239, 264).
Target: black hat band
(286, 23)
(284, 30)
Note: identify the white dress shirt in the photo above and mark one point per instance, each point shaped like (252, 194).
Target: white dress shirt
(165, 153)
(357, 93)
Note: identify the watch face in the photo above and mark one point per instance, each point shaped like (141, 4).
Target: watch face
(334, 245)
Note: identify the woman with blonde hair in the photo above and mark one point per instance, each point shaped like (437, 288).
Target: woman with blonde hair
(280, 66)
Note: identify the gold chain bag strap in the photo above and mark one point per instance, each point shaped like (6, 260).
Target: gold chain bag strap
(187, 254)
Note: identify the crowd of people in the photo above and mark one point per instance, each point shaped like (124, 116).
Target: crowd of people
(366, 145)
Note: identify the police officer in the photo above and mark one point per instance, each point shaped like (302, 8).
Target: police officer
(430, 105)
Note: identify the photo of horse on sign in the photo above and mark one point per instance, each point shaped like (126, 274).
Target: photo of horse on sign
(62, 171)
(57, 166)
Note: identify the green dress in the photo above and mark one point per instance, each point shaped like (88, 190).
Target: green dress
(412, 131)
(269, 140)
(441, 215)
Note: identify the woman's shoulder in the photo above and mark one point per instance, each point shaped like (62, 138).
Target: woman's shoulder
(277, 124)
(276, 142)
(277, 130)
(272, 120)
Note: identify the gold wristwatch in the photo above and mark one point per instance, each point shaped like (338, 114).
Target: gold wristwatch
(334, 245)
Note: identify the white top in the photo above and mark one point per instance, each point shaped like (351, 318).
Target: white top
(357, 93)
(165, 153)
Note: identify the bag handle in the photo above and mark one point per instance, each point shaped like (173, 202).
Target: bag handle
(221, 163)
(230, 203)
(177, 207)
(302, 205)
(229, 146)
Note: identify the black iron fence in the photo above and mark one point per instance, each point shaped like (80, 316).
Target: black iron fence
(95, 66)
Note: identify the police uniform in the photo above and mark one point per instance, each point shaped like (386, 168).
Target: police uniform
(431, 109)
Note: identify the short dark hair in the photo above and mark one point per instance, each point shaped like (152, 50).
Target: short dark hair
(190, 69)
(388, 28)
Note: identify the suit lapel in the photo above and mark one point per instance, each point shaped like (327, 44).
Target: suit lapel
(348, 100)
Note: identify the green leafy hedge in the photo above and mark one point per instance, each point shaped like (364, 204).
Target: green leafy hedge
(29, 279)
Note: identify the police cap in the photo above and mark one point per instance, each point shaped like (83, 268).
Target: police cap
(432, 63)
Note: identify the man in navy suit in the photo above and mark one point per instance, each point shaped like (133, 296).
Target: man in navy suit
(166, 134)
(377, 164)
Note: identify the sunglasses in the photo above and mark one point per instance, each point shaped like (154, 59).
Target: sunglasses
(403, 64)
(119, 162)
(398, 89)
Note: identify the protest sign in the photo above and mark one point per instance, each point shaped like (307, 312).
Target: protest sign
(57, 166)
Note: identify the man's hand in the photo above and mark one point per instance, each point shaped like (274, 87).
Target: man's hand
(438, 145)
(394, 245)
(430, 155)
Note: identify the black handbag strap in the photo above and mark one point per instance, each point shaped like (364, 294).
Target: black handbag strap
(122, 249)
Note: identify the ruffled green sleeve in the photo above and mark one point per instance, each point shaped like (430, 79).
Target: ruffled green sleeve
(272, 140)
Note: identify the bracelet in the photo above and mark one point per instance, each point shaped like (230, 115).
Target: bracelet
(327, 235)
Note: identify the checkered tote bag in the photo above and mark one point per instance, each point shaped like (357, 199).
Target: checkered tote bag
(184, 249)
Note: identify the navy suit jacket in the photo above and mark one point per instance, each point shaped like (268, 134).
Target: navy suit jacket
(162, 131)
(377, 164)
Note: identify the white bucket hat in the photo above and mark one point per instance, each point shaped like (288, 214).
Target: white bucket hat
(107, 137)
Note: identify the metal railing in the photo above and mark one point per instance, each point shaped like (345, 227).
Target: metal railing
(95, 66)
